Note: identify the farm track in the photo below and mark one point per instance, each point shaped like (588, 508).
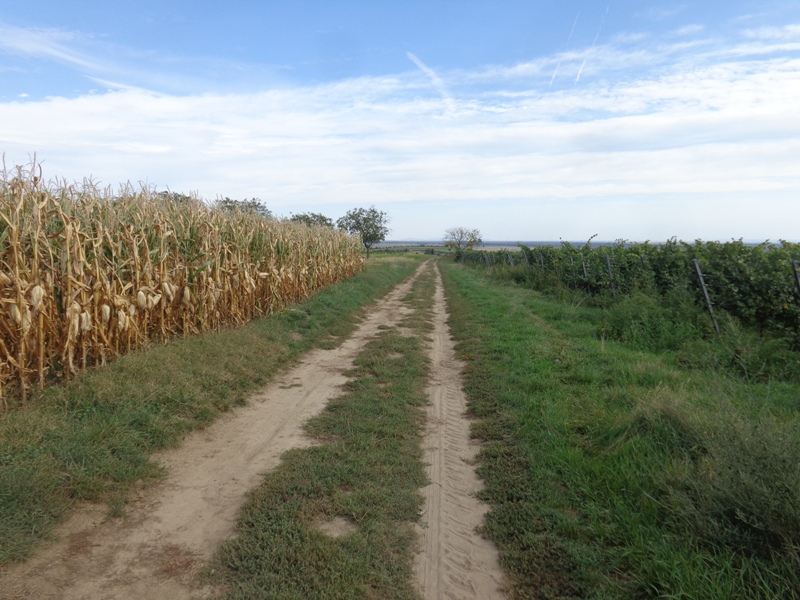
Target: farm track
(455, 562)
(173, 528)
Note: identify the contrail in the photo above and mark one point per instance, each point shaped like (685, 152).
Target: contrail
(596, 37)
(436, 81)
(553, 78)
(573, 27)
(569, 38)
(599, 29)
(578, 78)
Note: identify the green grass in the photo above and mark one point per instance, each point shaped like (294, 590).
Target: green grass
(613, 472)
(91, 440)
(367, 470)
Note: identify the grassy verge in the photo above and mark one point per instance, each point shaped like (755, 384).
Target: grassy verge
(91, 439)
(365, 473)
(615, 473)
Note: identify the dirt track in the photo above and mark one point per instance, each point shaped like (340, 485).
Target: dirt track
(174, 527)
(455, 562)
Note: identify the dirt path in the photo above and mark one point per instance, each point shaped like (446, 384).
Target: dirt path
(173, 528)
(455, 561)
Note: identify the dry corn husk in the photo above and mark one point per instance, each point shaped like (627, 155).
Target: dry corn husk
(166, 288)
(25, 322)
(15, 313)
(36, 296)
(74, 319)
(122, 320)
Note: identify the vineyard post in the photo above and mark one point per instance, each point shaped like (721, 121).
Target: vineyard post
(705, 294)
(541, 260)
(610, 275)
(796, 275)
(586, 277)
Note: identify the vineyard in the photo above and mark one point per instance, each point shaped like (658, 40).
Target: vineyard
(87, 275)
(758, 285)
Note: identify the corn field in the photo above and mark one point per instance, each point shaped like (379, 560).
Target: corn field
(87, 275)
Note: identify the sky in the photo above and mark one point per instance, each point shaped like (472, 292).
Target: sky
(528, 120)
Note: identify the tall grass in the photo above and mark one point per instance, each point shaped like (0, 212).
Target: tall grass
(612, 470)
(86, 274)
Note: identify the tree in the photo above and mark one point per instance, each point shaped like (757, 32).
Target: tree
(461, 238)
(313, 219)
(248, 205)
(370, 223)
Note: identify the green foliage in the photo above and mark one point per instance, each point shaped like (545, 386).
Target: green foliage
(177, 197)
(610, 471)
(744, 490)
(369, 223)
(653, 323)
(248, 205)
(754, 284)
(312, 219)
(462, 238)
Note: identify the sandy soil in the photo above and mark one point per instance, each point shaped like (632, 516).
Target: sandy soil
(172, 528)
(455, 562)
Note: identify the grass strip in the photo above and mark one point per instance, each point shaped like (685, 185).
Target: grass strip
(90, 440)
(614, 473)
(366, 473)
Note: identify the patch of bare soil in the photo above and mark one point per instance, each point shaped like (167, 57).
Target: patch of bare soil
(454, 562)
(337, 527)
(174, 527)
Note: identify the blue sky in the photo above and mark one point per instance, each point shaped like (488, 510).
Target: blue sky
(527, 120)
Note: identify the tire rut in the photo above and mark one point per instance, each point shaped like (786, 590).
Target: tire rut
(174, 527)
(454, 562)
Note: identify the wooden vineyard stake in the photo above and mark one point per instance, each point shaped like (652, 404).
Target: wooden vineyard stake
(795, 266)
(586, 277)
(705, 294)
(610, 274)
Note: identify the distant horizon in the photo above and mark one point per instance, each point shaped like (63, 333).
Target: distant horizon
(595, 241)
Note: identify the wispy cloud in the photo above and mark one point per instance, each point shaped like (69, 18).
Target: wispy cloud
(689, 30)
(47, 43)
(692, 123)
(660, 14)
(437, 82)
(788, 32)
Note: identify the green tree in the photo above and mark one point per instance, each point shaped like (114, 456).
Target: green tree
(312, 219)
(461, 238)
(370, 223)
(251, 205)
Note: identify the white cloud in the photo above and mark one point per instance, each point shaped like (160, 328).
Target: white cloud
(787, 32)
(689, 141)
(689, 30)
(53, 44)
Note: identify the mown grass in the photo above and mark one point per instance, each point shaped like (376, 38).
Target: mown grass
(367, 471)
(91, 440)
(614, 472)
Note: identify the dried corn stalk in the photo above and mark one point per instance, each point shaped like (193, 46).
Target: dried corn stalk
(86, 274)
